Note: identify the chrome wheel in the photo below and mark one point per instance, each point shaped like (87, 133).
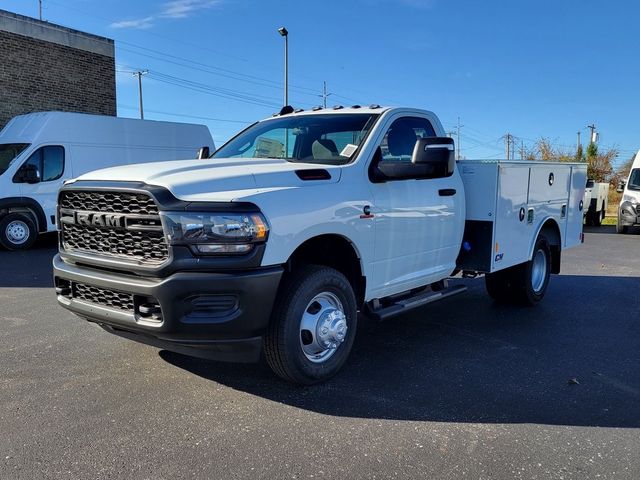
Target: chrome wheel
(538, 271)
(17, 232)
(323, 327)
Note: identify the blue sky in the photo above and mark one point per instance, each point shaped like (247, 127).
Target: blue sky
(532, 68)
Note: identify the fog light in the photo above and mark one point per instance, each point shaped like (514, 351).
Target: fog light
(224, 248)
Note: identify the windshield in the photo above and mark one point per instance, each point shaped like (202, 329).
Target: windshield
(324, 138)
(634, 179)
(8, 153)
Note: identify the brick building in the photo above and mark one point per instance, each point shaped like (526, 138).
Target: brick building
(44, 66)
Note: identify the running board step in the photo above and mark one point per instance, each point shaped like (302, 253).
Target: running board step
(407, 304)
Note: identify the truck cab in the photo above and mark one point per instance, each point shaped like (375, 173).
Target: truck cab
(298, 223)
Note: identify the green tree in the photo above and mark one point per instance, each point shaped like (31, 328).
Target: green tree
(579, 154)
(599, 165)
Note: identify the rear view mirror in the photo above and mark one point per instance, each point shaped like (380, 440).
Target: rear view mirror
(28, 173)
(436, 152)
(203, 153)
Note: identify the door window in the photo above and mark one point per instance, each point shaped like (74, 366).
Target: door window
(397, 144)
(49, 161)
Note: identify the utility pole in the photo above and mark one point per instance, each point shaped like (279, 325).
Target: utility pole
(40, 9)
(578, 146)
(324, 94)
(593, 137)
(139, 74)
(510, 143)
(458, 127)
(522, 150)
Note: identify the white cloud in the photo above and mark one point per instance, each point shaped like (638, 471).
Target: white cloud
(171, 9)
(182, 8)
(139, 23)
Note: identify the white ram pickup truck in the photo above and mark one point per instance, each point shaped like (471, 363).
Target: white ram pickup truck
(297, 224)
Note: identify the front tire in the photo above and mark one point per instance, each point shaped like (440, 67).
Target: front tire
(17, 231)
(621, 228)
(313, 325)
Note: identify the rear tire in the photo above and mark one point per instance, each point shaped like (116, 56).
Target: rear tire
(312, 327)
(526, 283)
(597, 217)
(17, 231)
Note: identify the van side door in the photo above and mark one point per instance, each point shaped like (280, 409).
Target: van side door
(41, 176)
(418, 222)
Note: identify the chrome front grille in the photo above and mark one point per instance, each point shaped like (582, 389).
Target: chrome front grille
(121, 225)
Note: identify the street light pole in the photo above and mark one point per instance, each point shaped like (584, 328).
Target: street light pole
(285, 33)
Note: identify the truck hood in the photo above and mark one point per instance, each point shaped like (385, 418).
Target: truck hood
(217, 179)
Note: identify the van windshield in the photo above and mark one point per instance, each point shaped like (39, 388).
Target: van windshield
(8, 153)
(324, 138)
(634, 179)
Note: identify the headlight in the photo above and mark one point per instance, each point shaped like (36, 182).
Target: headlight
(629, 198)
(215, 233)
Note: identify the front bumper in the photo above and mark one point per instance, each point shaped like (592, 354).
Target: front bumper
(629, 214)
(220, 316)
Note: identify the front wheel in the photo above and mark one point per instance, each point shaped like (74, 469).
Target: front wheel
(17, 231)
(312, 327)
(621, 228)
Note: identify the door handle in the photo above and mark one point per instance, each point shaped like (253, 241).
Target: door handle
(447, 192)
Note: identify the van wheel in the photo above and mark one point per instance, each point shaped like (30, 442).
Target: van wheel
(312, 327)
(17, 231)
(621, 228)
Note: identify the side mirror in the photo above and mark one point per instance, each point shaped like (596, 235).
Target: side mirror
(436, 152)
(28, 173)
(203, 153)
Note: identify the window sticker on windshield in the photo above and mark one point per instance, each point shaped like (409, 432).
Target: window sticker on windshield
(348, 150)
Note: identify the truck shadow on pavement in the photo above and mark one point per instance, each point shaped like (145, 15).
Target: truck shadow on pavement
(29, 268)
(573, 360)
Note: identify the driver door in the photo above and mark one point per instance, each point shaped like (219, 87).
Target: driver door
(416, 220)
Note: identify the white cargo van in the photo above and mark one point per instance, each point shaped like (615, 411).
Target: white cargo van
(629, 208)
(39, 151)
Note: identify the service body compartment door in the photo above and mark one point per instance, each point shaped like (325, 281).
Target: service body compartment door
(512, 231)
(573, 232)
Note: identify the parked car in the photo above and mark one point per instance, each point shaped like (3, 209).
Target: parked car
(352, 209)
(629, 208)
(596, 200)
(40, 151)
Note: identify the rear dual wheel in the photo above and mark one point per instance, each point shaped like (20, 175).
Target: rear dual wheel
(526, 283)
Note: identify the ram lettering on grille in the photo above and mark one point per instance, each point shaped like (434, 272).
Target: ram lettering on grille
(120, 225)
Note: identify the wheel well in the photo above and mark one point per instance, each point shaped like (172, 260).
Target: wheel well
(552, 233)
(25, 205)
(332, 251)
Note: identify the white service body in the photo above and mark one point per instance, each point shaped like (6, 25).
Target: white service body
(89, 142)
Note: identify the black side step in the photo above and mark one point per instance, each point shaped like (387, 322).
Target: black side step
(410, 303)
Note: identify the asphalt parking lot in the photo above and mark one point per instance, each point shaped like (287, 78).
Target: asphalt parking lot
(461, 388)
